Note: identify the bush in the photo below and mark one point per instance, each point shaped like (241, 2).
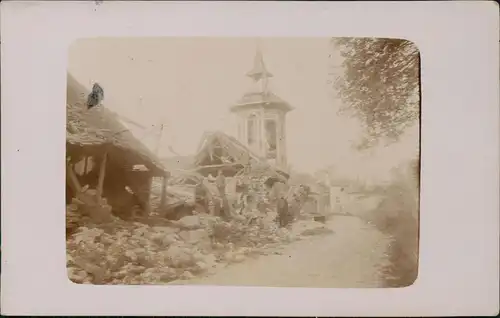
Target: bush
(397, 215)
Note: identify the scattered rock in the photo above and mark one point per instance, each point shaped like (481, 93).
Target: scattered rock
(317, 231)
(194, 236)
(218, 246)
(210, 260)
(76, 275)
(121, 274)
(244, 250)
(178, 256)
(201, 266)
(165, 229)
(170, 239)
(168, 275)
(190, 222)
(238, 217)
(238, 258)
(197, 256)
(187, 275)
(136, 269)
(131, 255)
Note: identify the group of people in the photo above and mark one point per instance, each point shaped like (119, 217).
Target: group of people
(214, 206)
(277, 195)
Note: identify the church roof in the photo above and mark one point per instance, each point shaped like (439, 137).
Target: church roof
(262, 97)
(265, 99)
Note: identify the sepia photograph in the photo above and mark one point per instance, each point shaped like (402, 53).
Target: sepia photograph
(272, 162)
(316, 159)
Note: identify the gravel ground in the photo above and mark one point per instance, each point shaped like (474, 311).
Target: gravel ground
(352, 256)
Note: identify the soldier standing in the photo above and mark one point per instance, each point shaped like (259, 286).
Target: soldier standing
(278, 194)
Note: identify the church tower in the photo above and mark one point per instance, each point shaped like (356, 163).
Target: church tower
(261, 117)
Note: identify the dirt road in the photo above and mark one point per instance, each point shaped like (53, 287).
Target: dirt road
(350, 257)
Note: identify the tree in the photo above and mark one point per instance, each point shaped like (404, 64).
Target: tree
(380, 85)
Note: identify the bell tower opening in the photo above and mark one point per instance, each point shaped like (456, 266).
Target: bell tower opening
(252, 131)
(271, 138)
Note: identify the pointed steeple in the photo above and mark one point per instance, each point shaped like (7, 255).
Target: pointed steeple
(259, 70)
(260, 94)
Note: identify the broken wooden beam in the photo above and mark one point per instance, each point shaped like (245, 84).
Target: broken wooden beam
(224, 165)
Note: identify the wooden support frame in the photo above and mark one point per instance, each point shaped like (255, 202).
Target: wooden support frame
(73, 179)
(85, 166)
(102, 174)
(145, 196)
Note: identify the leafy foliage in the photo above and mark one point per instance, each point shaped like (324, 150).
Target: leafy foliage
(380, 85)
(397, 215)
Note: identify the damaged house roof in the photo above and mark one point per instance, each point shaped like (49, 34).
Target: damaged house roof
(234, 150)
(218, 150)
(100, 127)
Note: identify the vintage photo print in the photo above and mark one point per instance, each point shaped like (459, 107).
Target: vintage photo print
(236, 161)
(250, 158)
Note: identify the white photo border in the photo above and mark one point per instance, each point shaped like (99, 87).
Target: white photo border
(459, 46)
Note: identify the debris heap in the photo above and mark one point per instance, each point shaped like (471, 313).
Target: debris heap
(121, 252)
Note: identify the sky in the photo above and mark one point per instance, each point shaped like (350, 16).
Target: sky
(188, 84)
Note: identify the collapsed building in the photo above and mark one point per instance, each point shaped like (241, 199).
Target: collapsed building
(106, 166)
(218, 151)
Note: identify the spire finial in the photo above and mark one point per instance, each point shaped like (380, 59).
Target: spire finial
(259, 70)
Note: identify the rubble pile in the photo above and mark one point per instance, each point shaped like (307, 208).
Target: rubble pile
(73, 218)
(121, 252)
(87, 208)
(258, 189)
(157, 250)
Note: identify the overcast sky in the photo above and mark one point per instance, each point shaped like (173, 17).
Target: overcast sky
(190, 83)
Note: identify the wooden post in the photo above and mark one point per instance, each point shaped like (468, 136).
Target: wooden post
(102, 173)
(163, 191)
(85, 165)
(75, 184)
(147, 196)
